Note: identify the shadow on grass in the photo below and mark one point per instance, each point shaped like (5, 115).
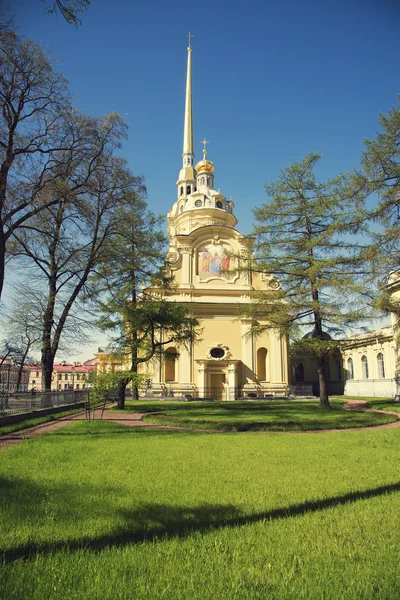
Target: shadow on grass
(227, 407)
(158, 521)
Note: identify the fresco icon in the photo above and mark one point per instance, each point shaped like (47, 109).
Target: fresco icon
(215, 259)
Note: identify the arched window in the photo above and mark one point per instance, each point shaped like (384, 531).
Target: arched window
(364, 367)
(262, 364)
(203, 181)
(170, 364)
(188, 189)
(350, 368)
(182, 191)
(299, 373)
(381, 366)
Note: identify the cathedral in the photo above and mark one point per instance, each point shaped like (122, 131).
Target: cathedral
(206, 256)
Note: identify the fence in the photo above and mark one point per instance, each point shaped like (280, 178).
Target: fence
(12, 403)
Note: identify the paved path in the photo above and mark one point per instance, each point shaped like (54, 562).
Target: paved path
(136, 420)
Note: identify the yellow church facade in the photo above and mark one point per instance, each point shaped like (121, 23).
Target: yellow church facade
(207, 256)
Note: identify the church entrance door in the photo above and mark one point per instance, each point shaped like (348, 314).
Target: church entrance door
(218, 386)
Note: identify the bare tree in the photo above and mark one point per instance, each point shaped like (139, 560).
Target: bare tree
(23, 331)
(69, 9)
(42, 140)
(66, 241)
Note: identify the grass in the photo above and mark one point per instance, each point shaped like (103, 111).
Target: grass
(256, 416)
(377, 403)
(97, 510)
(384, 404)
(39, 420)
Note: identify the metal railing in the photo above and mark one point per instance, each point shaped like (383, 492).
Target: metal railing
(12, 403)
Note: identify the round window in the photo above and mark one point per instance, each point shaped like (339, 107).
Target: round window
(219, 204)
(217, 352)
(198, 203)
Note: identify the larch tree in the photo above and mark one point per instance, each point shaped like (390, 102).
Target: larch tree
(305, 237)
(378, 182)
(140, 317)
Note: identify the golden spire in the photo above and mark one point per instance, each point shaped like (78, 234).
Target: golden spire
(188, 124)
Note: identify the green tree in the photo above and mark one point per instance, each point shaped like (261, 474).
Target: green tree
(378, 181)
(305, 237)
(379, 177)
(140, 317)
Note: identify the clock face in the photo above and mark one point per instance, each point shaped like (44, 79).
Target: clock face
(198, 203)
(219, 204)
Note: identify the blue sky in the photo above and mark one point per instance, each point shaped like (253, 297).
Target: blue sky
(272, 80)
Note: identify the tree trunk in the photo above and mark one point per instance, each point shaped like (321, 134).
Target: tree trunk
(135, 391)
(2, 258)
(47, 370)
(21, 368)
(323, 387)
(121, 394)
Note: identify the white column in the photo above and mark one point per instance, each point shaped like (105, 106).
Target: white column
(201, 379)
(247, 347)
(285, 359)
(232, 380)
(186, 252)
(185, 367)
(276, 356)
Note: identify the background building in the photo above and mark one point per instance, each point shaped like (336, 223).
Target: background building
(9, 371)
(367, 364)
(73, 376)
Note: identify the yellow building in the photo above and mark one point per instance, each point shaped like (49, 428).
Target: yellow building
(205, 248)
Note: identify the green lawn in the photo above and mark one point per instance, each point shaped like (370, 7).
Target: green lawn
(384, 404)
(102, 511)
(377, 403)
(256, 416)
(37, 420)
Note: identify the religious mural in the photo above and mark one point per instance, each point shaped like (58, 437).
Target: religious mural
(215, 260)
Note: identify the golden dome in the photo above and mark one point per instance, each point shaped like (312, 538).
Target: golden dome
(204, 166)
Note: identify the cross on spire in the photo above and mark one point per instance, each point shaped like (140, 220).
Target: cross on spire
(205, 142)
(189, 35)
